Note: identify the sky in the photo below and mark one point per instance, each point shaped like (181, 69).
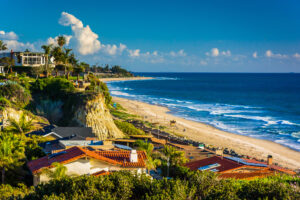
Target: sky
(162, 36)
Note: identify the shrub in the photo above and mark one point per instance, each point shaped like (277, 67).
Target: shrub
(128, 128)
(54, 88)
(15, 94)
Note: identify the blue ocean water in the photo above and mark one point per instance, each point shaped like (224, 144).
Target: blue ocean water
(265, 106)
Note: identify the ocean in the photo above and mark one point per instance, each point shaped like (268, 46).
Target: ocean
(264, 106)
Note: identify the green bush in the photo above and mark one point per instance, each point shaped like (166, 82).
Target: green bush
(128, 128)
(15, 94)
(127, 185)
(54, 88)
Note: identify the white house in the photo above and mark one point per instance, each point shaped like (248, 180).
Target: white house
(34, 59)
(80, 161)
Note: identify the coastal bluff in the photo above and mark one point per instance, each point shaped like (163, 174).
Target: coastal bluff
(92, 112)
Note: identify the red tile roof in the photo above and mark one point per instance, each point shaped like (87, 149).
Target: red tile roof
(225, 164)
(113, 157)
(248, 176)
(101, 173)
(273, 167)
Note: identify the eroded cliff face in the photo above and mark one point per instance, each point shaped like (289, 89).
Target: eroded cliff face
(12, 113)
(94, 113)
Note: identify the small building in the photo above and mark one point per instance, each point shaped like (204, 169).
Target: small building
(238, 168)
(34, 59)
(81, 161)
(53, 132)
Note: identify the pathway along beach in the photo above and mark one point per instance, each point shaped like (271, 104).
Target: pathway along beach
(212, 136)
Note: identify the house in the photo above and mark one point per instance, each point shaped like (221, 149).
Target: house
(33, 59)
(81, 161)
(233, 167)
(75, 133)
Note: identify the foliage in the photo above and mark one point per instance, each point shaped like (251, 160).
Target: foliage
(3, 46)
(4, 102)
(23, 125)
(127, 185)
(32, 149)
(175, 157)
(59, 171)
(15, 93)
(128, 128)
(11, 151)
(9, 192)
(54, 88)
(98, 86)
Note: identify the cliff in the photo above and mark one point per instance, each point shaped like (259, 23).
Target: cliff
(9, 112)
(92, 112)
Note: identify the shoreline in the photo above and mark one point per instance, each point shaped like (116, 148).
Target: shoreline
(105, 80)
(210, 135)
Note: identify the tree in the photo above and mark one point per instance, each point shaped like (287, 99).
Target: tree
(12, 149)
(23, 125)
(9, 63)
(61, 41)
(58, 173)
(47, 51)
(151, 163)
(2, 46)
(175, 157)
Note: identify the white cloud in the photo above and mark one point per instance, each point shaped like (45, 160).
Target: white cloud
(86, 41)
(53, 41)
(296, 55)
(12, 43)
(113, 49)
(19, 46)
(254, 55)
(179, 53)
(8, 35)
(214, 52)
(270, 54)
(226, 53)
(134, 53)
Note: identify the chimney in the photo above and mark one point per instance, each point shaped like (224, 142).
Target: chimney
(133, 156)
(269, 160)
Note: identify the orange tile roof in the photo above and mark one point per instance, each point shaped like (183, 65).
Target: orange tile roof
(101, 173)
(247, 176)
(113, 157)
(273, 167)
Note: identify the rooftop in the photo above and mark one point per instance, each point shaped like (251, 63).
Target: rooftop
(121, 158)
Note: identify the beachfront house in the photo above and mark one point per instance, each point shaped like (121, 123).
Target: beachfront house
(81, 161)
(32, 59)
(238, 168)
(53, 132)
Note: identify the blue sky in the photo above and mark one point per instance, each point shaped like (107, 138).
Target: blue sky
(181, 36)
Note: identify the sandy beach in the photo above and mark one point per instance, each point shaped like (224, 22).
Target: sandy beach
(212, 136)
(125, 79)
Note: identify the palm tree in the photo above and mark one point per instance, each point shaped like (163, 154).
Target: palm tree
(151, 163)
(47, 50)
(175, 157)
(61, 41)
(23, 125)
(66, 62)
(59, 171)
(2, 46)
(12, 150)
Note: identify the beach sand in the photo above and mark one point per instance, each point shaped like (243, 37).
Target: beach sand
(209, 135)
(124, 79)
